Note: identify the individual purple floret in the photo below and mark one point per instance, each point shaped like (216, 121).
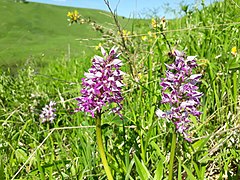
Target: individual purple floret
(102, 85)
(48, 112)
(180, 91)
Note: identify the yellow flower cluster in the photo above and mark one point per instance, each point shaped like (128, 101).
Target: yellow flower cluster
(73, 16)
(152, 34)
(154, 23)
(98, 46)
(125, 34)
(234, 51)
(161, 25)
(149, 37)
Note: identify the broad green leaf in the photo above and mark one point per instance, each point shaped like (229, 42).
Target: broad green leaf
(234, 66)
(197, 170)
(158, 151)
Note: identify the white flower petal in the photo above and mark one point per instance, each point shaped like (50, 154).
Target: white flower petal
(190, 58)
(89, 75)
(98, 59)
(119, 84)
(111, 79)
(160, 113)
(117, 62)
(195, 76)
(103, 51)
(98, 74)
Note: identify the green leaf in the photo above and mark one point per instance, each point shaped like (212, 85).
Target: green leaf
(234, 66)
(21, 155)
(158, 151)
(189, 173)
(1, 170)
(159, 171)
(205, 159)
(197, 170)
(142, 169)
(197, 146)
(179, 169)
(129, 170)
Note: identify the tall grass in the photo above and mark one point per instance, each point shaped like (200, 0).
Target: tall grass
(139, 145)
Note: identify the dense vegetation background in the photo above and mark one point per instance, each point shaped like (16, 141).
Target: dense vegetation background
(52, 58)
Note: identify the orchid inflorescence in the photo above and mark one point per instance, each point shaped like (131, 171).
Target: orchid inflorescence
(102, 85)
(180, 91)
(48, 112)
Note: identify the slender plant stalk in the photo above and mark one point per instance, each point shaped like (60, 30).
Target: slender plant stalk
(127, 51)
(173, 147)
(166, 40)
(235, 90)
(101, 148)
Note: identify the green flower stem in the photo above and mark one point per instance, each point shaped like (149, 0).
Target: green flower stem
(173, 147)
(101, 148)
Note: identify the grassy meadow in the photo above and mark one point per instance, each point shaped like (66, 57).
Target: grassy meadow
(39, 32)
(139, 145)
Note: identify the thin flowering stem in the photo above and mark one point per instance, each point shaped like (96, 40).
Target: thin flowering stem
(101, 148)
(102, 87)
(179, 90)
(173, 147)
(127, 51)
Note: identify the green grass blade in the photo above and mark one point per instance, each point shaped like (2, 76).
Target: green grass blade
(159, 171)
(189, 173)
(142, 169)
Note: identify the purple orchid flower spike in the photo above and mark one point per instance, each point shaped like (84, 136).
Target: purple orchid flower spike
(102, 85)
(48, 113)
(180, 91)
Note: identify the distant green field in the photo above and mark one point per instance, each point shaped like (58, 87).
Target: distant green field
(33, 31)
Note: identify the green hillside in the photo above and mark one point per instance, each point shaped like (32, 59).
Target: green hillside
(32, 31)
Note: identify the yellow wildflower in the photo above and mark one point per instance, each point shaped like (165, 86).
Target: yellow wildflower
(150, 33)
(234, 51)
(202, 62)
(76, 13)
(159, 24)
(73, 16)
(144, 38)
(98, 46)
(154, 23)
(125, 34)
(138, 77)
(69, 14)
(155, 36)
